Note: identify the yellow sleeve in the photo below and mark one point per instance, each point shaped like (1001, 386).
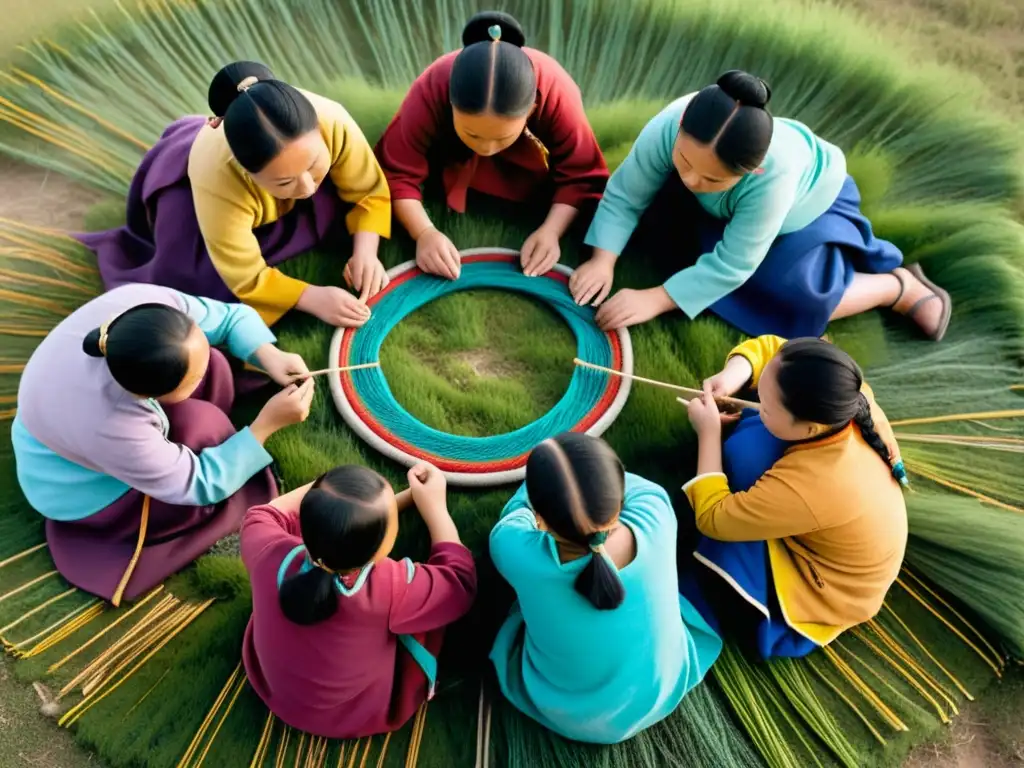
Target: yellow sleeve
(772, 509)
(355, 171)
(226, 222)
(757, 351)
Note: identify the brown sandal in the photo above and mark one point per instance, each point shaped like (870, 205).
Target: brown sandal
(936, 293)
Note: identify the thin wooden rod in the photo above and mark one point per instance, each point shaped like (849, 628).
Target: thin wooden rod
(676, 387)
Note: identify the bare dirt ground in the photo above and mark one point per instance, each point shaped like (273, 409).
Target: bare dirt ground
(35, 196)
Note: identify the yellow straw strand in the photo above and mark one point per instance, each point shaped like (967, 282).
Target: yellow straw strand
(984, 656)
(941, 601)
(34, 611)
(298, 749)
(282, 748)
(203, 726)
(419, 723)
(960, 686)
(20, 555)
(923, 674)
(56, 625)
(366, 752)
(95, 611)
(902, 672)
(145, 696)
(918, 470)
(135, 648)
(846, 699)
(263, 747)
(85, 705)
(220, 724)
(57, 665)
(865, 690)
(384, 750)
(979, 416)
(79, 108)
(354, 755)
(27, 585)
(166, 604)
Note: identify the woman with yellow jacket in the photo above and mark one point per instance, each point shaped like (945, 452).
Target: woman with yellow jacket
(216, 204)
(801, 511)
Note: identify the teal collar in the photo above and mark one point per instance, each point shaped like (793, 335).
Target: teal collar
(307, 565)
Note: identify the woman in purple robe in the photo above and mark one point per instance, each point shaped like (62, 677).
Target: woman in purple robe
(216, 204)
(122, 438)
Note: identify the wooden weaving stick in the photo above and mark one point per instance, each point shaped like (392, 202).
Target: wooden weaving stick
(343, 368)
(676, 387)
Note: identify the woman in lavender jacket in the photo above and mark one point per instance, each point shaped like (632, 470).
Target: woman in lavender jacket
(122, 438)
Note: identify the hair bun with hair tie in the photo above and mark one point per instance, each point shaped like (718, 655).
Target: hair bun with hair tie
(247, 83)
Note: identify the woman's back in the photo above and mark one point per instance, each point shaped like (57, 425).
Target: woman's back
(345, 677)
(598, 675)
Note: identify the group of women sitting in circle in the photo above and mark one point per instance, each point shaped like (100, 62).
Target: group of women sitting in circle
(123, 442)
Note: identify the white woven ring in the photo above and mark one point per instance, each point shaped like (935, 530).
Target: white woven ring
(464, 478)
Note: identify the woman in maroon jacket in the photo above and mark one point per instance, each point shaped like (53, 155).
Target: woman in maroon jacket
(499, 119)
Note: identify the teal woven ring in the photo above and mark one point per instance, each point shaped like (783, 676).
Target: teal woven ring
(592, 402)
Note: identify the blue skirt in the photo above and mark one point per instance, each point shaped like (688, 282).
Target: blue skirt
(803, 278)
(750, 451)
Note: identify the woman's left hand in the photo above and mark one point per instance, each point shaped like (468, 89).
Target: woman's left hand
(366, 274)
(540, 252)
(283, 367)
(629, 307)
(704, 414)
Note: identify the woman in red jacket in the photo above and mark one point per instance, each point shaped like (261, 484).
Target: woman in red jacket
(500, 119)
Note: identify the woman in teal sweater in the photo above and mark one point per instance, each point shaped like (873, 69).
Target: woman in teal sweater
(591, 553)
(776, 218)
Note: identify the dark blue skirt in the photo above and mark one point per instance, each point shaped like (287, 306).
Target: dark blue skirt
(803, 278)
(740, 571)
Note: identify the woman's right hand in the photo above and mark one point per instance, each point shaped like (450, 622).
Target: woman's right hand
(335, 306)
(731, 379)
(429, 490)
(430, 495)
(591, 282)
(437, 255)
(289, 406)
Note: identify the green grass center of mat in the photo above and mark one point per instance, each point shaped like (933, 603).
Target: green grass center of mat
(479, 363)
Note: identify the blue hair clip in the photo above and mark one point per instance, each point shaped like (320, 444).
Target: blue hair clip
(597, 539)
(495, 32)
(900, 473)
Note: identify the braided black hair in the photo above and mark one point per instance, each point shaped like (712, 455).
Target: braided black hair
(820, 383)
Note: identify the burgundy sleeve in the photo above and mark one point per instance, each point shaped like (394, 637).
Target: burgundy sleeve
(440, 591)
(577, 165)
(263, 527)
(402, 150)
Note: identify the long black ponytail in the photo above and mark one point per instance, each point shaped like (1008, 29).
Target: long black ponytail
(576, 484)
(820, 383)
(344, 519)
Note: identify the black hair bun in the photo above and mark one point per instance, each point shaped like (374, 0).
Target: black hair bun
(91, 343)
(477, 29)
(749, 90)
(224, 86)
